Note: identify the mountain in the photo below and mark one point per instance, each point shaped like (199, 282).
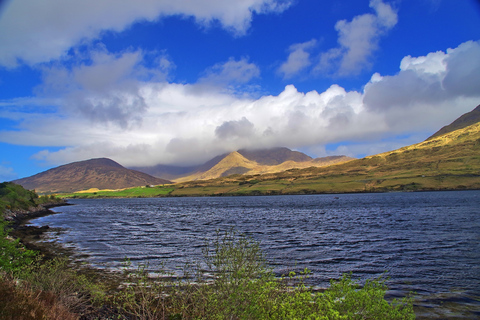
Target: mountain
(236, 163)
(101, 173)
(463, 121)
(174, 172)
(233, 163)
(243, 161)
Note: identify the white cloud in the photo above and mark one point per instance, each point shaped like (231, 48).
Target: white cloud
(38, 31)
(442, 84)
(191, 123)
(357, 40)
(435, 79)
(298, 59)
(104, 87)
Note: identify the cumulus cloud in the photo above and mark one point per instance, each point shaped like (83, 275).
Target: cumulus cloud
(189, 123)
(431, 84)
(38, 31)
(298, 59)
(104, 87)
(357, 40)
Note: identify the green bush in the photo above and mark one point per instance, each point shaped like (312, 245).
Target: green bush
(243, 287)
(13, 256)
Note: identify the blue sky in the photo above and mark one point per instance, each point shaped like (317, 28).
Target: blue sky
(154, 81)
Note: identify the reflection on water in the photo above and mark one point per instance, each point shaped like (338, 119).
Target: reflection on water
(428, 242)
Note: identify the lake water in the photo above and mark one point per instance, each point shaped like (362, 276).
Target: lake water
(427, 242)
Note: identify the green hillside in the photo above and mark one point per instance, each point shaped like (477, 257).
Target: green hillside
(15, 197)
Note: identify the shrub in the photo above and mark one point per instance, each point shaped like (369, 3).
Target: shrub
(22, 303)
(244, 287)
(13, 256)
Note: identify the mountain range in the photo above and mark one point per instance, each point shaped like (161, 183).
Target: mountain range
(103, 173)
(447, 162)
(242, 162)
(107, 174)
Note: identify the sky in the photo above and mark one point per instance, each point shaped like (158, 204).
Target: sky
(151, 82)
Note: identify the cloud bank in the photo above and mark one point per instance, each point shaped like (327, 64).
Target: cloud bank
(114, 105)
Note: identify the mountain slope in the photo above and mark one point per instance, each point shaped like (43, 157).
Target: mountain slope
(101, 173)
(175, 172)
(464, 121)
(447, 162)
(231, 164)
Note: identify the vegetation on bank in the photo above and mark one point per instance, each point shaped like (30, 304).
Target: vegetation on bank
(15, 197)
(242, 287)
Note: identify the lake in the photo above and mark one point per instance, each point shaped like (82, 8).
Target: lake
(427, 242)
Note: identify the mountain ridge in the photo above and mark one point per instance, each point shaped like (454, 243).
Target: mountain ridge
(461, 122)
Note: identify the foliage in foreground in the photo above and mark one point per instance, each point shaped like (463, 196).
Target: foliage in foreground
(245, 288)
(232, 282)
(13, 256)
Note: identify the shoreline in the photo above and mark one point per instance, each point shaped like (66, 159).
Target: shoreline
(19, 217)
(262, 194)
(31, 236)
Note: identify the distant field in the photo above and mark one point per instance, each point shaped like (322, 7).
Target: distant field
(136, 192)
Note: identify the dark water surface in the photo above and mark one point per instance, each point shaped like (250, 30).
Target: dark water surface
(428, 242)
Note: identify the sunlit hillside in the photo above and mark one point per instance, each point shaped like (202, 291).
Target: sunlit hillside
(236, 163)
(447, 162)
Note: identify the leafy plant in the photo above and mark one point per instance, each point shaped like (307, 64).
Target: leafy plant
(13, 256)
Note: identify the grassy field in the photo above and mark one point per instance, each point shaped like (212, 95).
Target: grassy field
(137, 192)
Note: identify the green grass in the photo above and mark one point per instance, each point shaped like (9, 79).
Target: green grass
(137, 192)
